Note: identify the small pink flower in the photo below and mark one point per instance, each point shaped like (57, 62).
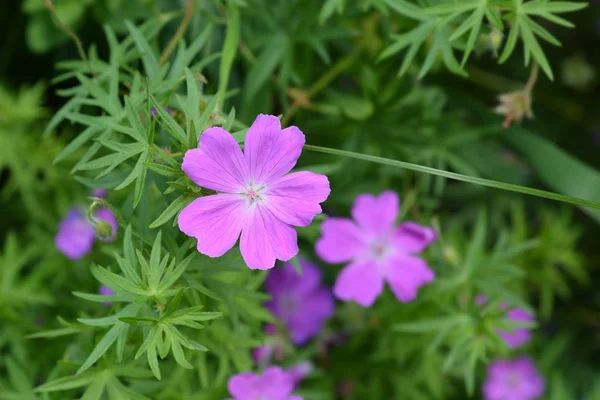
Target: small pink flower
(273, 384)
(257, 198)
(516, 379)
(377, 250)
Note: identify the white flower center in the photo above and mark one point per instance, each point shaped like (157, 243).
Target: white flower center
(254, 193)
(379, 249)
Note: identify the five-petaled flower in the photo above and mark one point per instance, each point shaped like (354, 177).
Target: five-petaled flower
(257, 198)
(273, 384)
(300, 301)
(516, 379)
(377, 250)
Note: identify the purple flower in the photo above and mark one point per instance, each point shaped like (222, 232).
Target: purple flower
(75, 236)
(154, 113)
(105, 291)
(99, 192)
(516, 379)
(300, 301)
(274, 384)
(105, 214)
(258, 199)
(518, 336)
(377, 251)
(299, 371)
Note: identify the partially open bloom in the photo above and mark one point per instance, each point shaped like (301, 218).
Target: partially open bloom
(516, 379)
(300, 301)
(105, 291)
(273, 384)
(257, 198)
(515, 106)
(75, 236)
(377, 251)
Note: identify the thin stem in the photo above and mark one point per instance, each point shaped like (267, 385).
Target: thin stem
(188, 13)
(70, 33)
(337, 69)
(532, 78)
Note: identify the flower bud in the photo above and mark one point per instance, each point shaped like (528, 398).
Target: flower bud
(103, 230)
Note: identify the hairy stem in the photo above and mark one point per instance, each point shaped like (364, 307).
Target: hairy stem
(70, 33)
(188, 13)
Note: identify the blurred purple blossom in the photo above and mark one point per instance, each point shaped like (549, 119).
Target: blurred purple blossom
(377, 251)
(273, 384)
(99, 192)
(75, 236)
(105, 291)
(300, 301)
(154, 112)
(516, 379)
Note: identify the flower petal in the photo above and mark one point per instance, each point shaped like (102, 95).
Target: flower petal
(265, 239)
(341, 241)
(216, 221)
(75, 236)
(269, 151)
(295, 198)
(412, 237)
(218, 163)
(360, 281)
(406, 274)
(308, 321)
(376, 215)
(276, 383)
(244, 386)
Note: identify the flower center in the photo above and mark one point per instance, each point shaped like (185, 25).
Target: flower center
(254, 193)
(379, 249)
(513, 381)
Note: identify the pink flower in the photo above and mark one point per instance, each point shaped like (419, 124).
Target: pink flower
(377, 251)
(274, 384)
(257, 198)
(516, 379)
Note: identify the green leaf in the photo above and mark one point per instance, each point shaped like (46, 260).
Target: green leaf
(120, 281)
(556, 168)
(176, 206)
(265, 65)
(432, 325)
(68, 382)
(229, 49)
(458, 177)
(172, 127)
(148, 57)
(102, 347)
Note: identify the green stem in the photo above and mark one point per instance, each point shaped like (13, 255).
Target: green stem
(459, 177)
(190, 7)
(70, 33)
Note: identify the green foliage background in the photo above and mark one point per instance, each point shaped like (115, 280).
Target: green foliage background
(391, 94)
